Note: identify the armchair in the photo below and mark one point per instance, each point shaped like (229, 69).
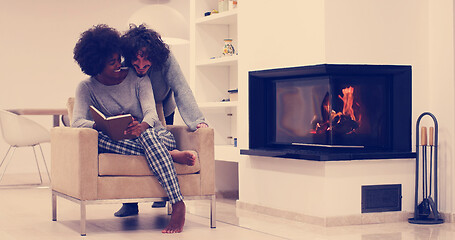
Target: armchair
(83, 176)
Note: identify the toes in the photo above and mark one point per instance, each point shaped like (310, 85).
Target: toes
(172, 230)
(190, 154)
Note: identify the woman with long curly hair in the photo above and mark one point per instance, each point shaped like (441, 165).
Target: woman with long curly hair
(114, 91)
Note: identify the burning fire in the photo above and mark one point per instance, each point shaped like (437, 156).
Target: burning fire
(344, 122)
(348, 100)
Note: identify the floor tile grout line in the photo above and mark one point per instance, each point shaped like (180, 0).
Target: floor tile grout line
(246, 228)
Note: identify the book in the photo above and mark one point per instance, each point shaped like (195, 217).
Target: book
(114, 126)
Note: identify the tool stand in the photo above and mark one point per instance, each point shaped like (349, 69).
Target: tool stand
(426, 203)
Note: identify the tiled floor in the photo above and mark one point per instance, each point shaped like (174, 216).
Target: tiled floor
(26, 214)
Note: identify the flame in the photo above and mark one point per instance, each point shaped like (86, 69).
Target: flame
(344, 121)
(348, 100)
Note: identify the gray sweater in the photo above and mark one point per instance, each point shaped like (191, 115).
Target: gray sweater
(133, 95)
(171, 88)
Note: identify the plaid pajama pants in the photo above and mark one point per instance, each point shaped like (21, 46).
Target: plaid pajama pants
(155, 146)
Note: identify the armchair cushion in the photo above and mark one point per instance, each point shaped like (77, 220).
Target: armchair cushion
(124, 165)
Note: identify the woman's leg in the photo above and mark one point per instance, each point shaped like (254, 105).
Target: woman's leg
(125, 147)
(157, 145)
(169, 121)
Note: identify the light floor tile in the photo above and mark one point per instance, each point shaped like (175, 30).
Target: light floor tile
(26, 214)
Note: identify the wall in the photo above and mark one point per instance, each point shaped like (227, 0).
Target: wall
(279, 35)
(441, 91)
(36, 45)
(354, 31)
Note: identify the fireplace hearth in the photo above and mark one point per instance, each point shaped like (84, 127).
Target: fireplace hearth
(331, 112)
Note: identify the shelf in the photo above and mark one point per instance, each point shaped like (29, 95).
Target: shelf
(227, 153)
(220, 61)
(213, 74)
(218, 104)
(227, 18)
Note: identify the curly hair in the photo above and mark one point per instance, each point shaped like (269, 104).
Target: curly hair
(95, 47)
(140, 37)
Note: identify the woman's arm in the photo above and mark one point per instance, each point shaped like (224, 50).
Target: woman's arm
(81, 112)
(147, 102)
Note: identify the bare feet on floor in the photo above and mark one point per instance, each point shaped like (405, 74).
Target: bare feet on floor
(184, 157)
(177, 218)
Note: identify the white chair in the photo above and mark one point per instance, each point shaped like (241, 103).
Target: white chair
(19, 131)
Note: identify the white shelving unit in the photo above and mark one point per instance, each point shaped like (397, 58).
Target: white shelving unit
(218, 104)
(221, 61)
(223, 18)
(227, 153)
(212, 74)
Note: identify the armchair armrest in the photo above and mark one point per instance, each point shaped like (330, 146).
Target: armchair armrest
(201, 141)
(74, 161)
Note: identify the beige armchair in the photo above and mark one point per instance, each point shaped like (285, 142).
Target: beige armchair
(83, 176)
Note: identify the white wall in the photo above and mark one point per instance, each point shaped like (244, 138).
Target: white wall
(298, 33)
(279, 35)
(381, 32)
(36, 45)
(440, 89)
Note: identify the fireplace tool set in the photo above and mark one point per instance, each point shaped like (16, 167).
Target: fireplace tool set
(426, 210)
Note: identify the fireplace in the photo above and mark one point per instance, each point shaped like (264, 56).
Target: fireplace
(331, 112)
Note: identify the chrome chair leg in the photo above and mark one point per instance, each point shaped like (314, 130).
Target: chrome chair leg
(169, 208)
(83, 218)
(5, 156)
(45, 164)
(37, 165)
(8, 162)
(54, 206)
(213, 211)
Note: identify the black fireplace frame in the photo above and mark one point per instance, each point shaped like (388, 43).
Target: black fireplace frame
(399, 80)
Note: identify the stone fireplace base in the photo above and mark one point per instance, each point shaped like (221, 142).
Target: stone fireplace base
(358, 219)
(328, 193)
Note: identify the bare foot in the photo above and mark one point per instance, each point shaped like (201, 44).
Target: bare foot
(183, 157)
(177, 218)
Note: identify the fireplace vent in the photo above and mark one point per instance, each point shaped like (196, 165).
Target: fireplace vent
(381, 198)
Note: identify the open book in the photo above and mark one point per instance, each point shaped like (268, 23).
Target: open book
(113, 126)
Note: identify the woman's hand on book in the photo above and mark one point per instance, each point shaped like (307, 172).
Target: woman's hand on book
(135, 128)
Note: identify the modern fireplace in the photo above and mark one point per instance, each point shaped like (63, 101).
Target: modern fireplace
(331, 112)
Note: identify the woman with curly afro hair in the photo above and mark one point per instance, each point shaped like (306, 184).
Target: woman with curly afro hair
(95, 47)
(114, 91)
